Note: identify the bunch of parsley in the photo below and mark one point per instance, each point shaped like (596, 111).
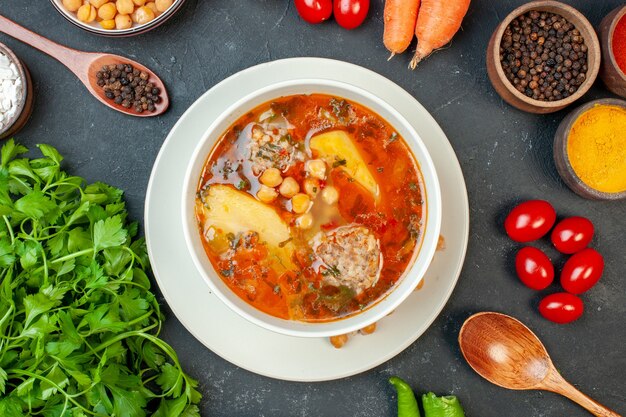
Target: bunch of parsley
(78, 324)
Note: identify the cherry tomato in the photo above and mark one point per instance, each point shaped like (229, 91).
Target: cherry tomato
(561, 307)
(534, 268)
(351, 13)
(314, 11)
(572, 234)
(530, 220)
(582, 271)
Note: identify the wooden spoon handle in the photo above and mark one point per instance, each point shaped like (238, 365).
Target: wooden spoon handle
(67, 56)
(556, 383)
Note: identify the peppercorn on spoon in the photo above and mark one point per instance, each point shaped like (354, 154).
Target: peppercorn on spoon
(506, 353)
(85, 66)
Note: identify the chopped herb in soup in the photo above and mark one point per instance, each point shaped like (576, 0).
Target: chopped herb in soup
(311, 207)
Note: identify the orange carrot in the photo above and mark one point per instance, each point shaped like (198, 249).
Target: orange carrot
(437, 23)
(400, 17)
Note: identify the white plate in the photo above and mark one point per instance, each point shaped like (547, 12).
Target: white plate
(243, 343)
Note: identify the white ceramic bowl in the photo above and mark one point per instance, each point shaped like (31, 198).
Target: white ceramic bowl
(94, 27)
(406, 284)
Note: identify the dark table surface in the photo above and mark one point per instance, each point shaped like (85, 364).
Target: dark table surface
(506, 156)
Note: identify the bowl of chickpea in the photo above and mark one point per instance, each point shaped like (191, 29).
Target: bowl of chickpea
(117, 18)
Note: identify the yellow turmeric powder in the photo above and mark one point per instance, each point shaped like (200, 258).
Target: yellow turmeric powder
(596, 148)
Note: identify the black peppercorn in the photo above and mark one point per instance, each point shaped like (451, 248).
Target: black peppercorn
(128, 87)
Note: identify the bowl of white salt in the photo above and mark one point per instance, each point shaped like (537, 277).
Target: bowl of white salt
(16, 93)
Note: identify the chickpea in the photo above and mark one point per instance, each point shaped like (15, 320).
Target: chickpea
(152, 6)
(86, 13)
(271, 177)
(257, 133)
(139, 3)
(289, 187)
(98, 3)
(266, 194)
(125, 6)
(72, 5)
(300, 203)
(107, 24)
(339, 341)
(305, 221)
(163, 5)
(133, 16)
(312, 187)
(144, 15)
(123, 21)
(330, 195)
(316, 168)
(368, 329)
(107, 11)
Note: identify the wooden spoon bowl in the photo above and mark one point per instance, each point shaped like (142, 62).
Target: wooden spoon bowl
(85, 65)
(507, 353)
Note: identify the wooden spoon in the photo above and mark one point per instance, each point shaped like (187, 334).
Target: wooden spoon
(506, 353)
(85, 65)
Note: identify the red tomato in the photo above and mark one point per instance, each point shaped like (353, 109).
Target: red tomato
(582, 271)
(314, 11)
(561, 307)
(351, 13)
(572, 234)
(534, 268)
(530, 220)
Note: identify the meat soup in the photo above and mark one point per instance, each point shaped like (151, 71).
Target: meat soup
(311, 208)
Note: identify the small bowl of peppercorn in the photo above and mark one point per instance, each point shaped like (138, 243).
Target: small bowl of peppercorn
(613, 41)
(543, 56)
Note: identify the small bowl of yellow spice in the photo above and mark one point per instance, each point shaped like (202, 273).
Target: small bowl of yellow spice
(590, 149)
(117, 18)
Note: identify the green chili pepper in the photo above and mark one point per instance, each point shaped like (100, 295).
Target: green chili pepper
(447, 406)
(407, 404)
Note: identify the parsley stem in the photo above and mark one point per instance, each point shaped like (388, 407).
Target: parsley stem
(9, 228)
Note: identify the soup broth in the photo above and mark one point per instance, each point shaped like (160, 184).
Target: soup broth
(311, 207)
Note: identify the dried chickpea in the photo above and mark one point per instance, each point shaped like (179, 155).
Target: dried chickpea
(289, 187)
(98, 3)
(72, 5)
(311, 186)
(330, 195)
(152, 6)
(316, 168)
(125, 6)
(271, 177)
(144, 15)
(368, 329)
(107, 11)
(305, 221)
(86, 13)
(266, 194)
(139, 3)
(107, 24)
(123, 21)
(300, 203)
(163, 5)
(339, 341)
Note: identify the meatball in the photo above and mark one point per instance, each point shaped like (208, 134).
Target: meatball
(351, 256)
(271, 147)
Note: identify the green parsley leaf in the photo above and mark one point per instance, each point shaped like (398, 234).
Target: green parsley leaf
(108, 233)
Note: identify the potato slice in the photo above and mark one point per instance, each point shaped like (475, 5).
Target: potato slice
(232, 211)
(337, 146)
